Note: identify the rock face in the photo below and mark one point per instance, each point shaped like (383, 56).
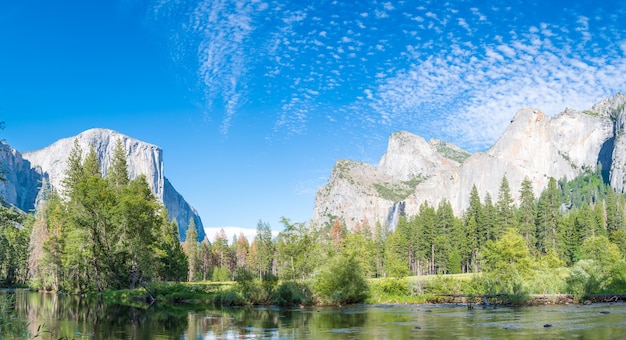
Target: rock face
(24, 179)
(360, 193)
(22, 182)
(533, 146)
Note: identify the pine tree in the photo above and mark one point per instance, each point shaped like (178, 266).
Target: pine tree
(91, 166)
(505, 217)
(428, 226)
(117, 173)
(74, 172)
(547, 218)
(191, 248)
(487, 221)
(527, 213)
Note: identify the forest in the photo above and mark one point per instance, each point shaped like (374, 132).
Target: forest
(109, 233)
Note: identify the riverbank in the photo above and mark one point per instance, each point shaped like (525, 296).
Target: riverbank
(533, 300)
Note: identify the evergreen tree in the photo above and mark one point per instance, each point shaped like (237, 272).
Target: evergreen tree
(397, 250)
(527, 213)
(117, 173)
(475, 207)
(427, 223)
(173, 263)
(380, 237)
(472, 242)
(506, 213)
(547, 218)
(614, 213)
(191, 248)
(74, 172)
(488, 220)
(91, 166)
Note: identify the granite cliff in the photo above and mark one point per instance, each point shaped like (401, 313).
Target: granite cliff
(28, 173)
(534, 145)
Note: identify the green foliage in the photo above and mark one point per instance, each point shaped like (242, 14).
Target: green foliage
(397, 191)
(297, 251)
(453, 154)
(220, 274)
(14, 242)
(600, 250)
(292, 293)
(454, 262)
(192, 249)
(602, 268)
(507, 262)
(340, 281)
(393, 286)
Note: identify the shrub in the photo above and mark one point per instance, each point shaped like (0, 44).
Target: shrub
(220, 274)
(340, 281)
(292, 293)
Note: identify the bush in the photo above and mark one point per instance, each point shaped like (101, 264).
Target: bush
(340, 282)
(394, 286)
(220, 274)
(292, 293)
(229, 297)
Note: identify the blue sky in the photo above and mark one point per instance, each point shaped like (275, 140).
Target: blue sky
(254, 101)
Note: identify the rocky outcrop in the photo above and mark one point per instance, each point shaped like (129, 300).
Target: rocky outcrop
(533, 146)
(23, 185)
(615, 107)
(360, 193)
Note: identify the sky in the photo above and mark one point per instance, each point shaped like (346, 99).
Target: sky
(254, 101)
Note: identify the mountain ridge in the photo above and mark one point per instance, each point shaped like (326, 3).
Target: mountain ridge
(533, 145)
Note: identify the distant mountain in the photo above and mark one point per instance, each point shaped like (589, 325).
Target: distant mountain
(413, 171)
(29, 172)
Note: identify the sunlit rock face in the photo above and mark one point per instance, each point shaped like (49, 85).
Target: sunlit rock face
(534, 146)
(142, 158)
(360, 193)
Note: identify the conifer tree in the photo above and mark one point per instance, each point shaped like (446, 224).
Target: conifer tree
(191, 248)
(506, 216)
(527, 213)
(117, 173)
(547, 218)
(74, 172)
(488, 220)
(91, 166)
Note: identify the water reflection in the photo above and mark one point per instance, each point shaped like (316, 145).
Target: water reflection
(80, 318)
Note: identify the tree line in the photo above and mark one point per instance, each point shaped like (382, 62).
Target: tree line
(556, 229)
(110, 232)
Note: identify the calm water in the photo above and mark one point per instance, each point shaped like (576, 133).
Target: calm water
(74, 318)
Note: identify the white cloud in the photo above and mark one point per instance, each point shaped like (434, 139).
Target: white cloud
(474, 98)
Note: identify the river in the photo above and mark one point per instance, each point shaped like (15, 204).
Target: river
(75, 318)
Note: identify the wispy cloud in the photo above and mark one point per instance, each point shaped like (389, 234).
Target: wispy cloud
(434, 70)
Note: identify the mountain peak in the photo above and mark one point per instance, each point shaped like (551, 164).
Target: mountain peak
(142, 159)
(533, 146)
